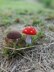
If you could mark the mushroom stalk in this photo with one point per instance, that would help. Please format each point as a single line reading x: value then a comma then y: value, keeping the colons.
x: 28, y: 39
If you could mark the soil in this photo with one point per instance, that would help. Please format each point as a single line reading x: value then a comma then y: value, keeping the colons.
x: 38, y: 59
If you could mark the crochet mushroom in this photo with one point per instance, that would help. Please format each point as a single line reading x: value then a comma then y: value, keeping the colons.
x: 29, y: 31
x: 12, y: 36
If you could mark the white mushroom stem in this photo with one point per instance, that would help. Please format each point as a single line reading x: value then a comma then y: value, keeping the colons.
x: 28, y: 39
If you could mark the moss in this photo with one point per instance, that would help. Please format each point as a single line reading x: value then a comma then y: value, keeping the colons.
x: 10, y: 53
x: 50, y: 17
x: 36, y: 22
x: 51, y: 28
x: 21, y: 43
x: 37, y: 37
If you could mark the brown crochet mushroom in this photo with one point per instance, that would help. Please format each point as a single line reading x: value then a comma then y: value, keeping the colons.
x: 12, y: 36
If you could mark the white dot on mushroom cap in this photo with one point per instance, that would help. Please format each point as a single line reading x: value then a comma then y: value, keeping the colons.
x: 25, y: 30
x: 29, y: 27
x: 31, y: 31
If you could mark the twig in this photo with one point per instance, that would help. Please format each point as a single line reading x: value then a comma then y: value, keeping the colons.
x: 3, y: 69
x: 13, y: 68
x: 19, y: 48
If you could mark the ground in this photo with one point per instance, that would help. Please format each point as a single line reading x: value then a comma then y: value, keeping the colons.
x: 38, y: 59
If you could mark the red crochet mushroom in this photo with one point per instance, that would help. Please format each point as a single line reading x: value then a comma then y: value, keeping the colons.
x: 29, y: 31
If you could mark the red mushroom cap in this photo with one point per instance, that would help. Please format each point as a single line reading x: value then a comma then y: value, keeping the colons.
x: 29, y: 30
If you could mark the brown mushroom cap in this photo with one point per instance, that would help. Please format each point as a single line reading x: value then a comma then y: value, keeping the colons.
x: 13, y: 35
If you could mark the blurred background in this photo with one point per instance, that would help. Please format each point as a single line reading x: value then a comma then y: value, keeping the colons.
x: 10, y: 9
x: 17, y: 14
